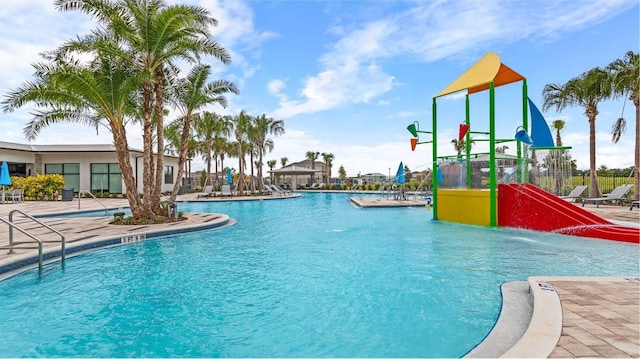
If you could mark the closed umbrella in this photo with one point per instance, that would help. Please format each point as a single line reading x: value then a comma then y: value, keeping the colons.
x: 229, y: 177
x: 400, y: 174
x: 5, y: 179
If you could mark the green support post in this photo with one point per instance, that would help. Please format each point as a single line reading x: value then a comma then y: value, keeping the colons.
x: 434, y: 173
x: 467, y: 139
x: 492, y: 156
x: 525, y: 125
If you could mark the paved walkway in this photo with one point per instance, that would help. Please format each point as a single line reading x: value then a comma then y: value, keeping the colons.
x: 600, y: 318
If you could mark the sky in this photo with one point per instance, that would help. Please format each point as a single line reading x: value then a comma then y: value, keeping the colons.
x: 347, y: 77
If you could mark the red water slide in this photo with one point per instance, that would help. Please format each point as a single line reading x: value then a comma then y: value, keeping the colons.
x: 530, y: 207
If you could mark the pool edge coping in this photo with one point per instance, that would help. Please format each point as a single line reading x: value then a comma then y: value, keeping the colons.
x: 10, y: 267
x: 545, y: 328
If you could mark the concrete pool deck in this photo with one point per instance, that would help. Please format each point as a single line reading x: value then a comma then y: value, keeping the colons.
x: 590, y: 316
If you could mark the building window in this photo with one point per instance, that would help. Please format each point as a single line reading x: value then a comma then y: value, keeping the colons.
x: 106, y: 177
x: 70, y: 172
x: 168, y: 174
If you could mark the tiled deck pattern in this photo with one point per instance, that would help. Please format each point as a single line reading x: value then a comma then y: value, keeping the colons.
x: 599, y: 319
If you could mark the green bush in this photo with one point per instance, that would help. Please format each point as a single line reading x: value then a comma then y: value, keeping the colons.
x: 40, y: 187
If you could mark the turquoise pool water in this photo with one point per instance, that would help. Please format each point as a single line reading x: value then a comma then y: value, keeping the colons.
x: 307, y: 277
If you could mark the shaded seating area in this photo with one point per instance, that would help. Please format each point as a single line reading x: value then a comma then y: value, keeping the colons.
x: 576, y: 193
x: 617, y: 195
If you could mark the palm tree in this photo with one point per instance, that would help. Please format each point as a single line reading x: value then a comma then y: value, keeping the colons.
x: 264, y: 126
x: 312, y: 156
x: 271, y: 164
x: 460, y: 145
x: 283, y: 162
x: 586, y: 90
x: 328, y: 163
x: 149, y: 36
x: 241, y: 124
x: 559, y: 126
x: 96, y: 94
x: 626, y: 82
x: 189, y: 95
x: 212, y: 131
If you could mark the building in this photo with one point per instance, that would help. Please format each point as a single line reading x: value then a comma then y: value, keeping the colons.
x: 373, y: 178
x: 92, y: 168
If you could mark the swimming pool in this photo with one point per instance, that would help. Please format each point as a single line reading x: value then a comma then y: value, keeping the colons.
x: 306, y: 277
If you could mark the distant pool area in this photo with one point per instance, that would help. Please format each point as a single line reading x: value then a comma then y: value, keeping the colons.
x: 305, y: 277
x: 108, y: 212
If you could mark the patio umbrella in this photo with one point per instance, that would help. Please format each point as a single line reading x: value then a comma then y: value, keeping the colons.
x: 229, y: 177
x: 5, y: 180
x: 400, y: 174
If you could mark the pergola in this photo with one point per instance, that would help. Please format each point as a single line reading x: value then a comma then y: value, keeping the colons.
x: 295, y: 172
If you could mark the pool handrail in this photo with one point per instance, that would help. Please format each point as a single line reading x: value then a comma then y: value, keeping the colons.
x: 62, y: 237
x: 106, y: 210
x: 13, y: 225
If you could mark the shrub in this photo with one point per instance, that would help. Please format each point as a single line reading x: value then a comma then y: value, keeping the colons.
x: 40, y: 187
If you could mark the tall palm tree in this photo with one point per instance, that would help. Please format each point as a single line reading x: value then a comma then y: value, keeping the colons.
x: 586, y: 90
x: 149, y: 36
x: 271, y: 164
x: 96, y: 94
x: 328, y: 163
x: 262, y: 127
x: 241, y: 124
x: 626, y: 82
x: 283, y: 162
x: 189, y: 95
x: 312, y: 156
x: 559, y: 126
x: 212, y: 131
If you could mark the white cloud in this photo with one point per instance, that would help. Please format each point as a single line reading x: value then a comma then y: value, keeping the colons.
x: 353, y: 70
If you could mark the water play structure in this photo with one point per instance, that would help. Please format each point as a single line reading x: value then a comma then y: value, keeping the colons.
x: 495, y: 189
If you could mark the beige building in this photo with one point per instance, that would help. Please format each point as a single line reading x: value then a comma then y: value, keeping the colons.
x: 84, y: 167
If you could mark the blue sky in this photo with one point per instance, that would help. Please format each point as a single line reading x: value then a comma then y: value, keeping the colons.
x: 347, y: 77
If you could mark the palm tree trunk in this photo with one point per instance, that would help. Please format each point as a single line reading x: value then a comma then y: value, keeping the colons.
x: 122, y: 151
x: 594, y: 190
x: 240, y: 169
x: 208, y: 180
x: 636, y: 189
x: 155, y: 200
x: 147, y: 171
x: 184, y: 149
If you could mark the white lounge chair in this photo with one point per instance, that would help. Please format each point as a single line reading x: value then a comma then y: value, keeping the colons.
x: 280, y: 190
x: 225, y: 190
x: 576, y: 193
x: 617, y: 195
x: 207, y: 191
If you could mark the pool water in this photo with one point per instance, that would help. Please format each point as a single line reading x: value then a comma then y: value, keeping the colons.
x: 306, y: 277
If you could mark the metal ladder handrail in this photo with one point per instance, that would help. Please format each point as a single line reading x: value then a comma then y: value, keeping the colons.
x: 106, y: 210
x: 62, y: 237
x: 13, y: 225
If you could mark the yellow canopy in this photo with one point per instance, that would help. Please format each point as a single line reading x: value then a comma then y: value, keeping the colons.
x: 478, y: 77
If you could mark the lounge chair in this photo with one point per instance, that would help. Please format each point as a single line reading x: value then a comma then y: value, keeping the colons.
x: 280, y: 190
x: 634, y: 204
x: 618, y: 194
x: 207, y: 191
x: 226, y: 190
x: 576, y: 193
